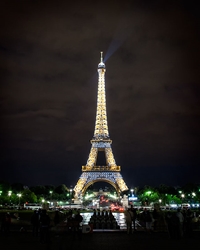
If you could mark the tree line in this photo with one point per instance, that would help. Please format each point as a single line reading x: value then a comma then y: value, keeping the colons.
x: 18, y: 193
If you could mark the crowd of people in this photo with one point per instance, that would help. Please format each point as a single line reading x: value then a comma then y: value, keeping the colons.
x: 40, y: 221
x: 178, y: 223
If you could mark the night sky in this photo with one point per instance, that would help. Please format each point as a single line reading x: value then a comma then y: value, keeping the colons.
x: 49, y: 53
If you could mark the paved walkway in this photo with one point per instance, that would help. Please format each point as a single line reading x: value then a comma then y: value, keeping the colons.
x: 99, y: 241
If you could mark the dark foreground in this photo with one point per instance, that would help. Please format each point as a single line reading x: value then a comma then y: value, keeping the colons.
x: 99, y: 240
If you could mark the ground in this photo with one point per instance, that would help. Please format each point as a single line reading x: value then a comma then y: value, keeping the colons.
x: 99, y: 241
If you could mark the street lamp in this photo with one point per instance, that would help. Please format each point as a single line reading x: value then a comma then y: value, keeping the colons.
x: 0, y: 192
x: 43, y: 200
x: 19, y: 195
x: 132, y: 191
x: 193, y: 196
x: 182, y: 196
x: 51, y: 192
x: 70, y: 196
x: 9, y: 194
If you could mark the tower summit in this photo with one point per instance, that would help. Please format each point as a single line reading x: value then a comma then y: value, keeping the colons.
x: 100, y: 142
x: 101, y: 124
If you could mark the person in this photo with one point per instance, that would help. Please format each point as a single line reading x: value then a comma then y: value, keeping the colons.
x: 35, y: 223
x: 56, y: 218
x: 181, y: 220
x: 161, y: 222
x: 134, y: 211
x: 5, y: 223
x: 189, y: 217
x: 148, y: 220
x: 155, y: 218
x: 70, y: 221
x: 78, y: 224
x: 128, y: 218
x: 174, y: 220
x: 169, y: 224
x: 44, y: 226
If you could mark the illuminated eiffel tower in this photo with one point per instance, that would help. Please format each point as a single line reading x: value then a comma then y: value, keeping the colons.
x: 100, y: 142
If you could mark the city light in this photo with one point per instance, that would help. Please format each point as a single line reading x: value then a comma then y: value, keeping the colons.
x: 148, y: 192
x: 9, y: 194
x: 132, y: 191
x: 113, y: 196
x: 19, y: 195
x: 88, y: 196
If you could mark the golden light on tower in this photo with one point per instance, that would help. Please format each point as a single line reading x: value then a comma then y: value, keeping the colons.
x: 100, y: 142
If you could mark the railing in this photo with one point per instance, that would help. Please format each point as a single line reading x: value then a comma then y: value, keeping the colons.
x: 101, y: 168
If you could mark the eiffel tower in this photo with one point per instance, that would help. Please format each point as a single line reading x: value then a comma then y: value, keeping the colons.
x: 100, y: 142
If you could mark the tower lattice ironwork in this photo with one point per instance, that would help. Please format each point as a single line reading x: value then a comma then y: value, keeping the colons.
x: 100, y: 142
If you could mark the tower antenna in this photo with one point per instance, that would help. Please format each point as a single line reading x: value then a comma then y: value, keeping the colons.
x: 101, y: 57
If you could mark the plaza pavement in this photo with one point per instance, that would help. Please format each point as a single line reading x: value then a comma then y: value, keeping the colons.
x: 98, y: 240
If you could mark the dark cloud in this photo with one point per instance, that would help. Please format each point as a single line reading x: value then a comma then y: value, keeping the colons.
x: 49, y: 55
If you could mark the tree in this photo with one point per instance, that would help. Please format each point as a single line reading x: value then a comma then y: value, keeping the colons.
x: 4, y: 186
x: 63, y: 192
x: 17, y: 187
x: 28, y: 196
x: 147, y: 195
x: 39, y: 190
